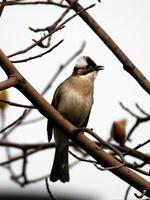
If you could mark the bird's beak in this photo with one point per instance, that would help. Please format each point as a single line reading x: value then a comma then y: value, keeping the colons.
x: 99, y: 67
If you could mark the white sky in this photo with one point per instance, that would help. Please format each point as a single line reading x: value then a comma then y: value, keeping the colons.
x: 127, y: 22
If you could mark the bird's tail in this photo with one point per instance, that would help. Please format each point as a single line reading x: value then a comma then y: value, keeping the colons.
x: 60, y: 168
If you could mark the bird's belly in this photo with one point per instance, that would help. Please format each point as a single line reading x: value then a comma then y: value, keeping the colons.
x: 75, y: 107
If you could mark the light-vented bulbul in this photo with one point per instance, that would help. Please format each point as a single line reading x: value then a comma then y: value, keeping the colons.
x: 73, y: 98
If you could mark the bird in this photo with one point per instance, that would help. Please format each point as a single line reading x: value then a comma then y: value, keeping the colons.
x: 73, y: 98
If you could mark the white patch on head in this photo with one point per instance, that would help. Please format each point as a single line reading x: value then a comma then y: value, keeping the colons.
x: 81, y: 62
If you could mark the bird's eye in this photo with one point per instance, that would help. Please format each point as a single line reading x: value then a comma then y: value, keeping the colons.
x: 87, y: 66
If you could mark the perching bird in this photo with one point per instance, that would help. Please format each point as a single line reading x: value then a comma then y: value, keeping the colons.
x: 73, y: 98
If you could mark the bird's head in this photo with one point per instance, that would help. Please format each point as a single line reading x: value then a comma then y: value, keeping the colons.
x: 85, y: 66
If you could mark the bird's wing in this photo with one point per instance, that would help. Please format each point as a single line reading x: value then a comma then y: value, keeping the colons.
x: 54, y: 103
x: 86, y: 120
x: 49, y: 129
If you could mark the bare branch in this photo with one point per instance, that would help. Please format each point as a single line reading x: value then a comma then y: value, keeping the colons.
x: 128, y: 110
x: 10, y: 82
x: 35, y: 180
x: 38, y: 56
x: 12, y: 3
x: 127, y: 192
x: 17, y: 104
x: 27, y: 146
x: 138, y: 121
x: 16, y: 158
x: 50, y: 29
x: 54, y: 25
x: 81, y: 159
x: 48, y: 189
x: 13, y: 123
x: 142, y: 144
x: 141, y: 195
x: 109, y: 168
x: 24, y: 171
x: 49, y: 34
x: 126, y: 62
x: 124, y: 150
x: 102, y: 157
x: 102, y: 142
x: 2, y: 5
x: 142, y: 111
x: 132, y: 152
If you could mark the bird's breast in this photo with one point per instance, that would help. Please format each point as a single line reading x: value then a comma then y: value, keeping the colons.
x: 76, y: 103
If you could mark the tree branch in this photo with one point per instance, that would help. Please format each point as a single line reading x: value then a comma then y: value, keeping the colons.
x: 2, y: 5
x: 51, y: 32
x: 102, y: 157
x: 127, y: 63
x: 17, y: 104
x: 39, y: 55
x: 138, y: 121
x: 12, y: 3
x: 10, y: 82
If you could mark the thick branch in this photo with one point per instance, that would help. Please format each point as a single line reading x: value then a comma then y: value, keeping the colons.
x: 127, y: 63
x: 89, y: 146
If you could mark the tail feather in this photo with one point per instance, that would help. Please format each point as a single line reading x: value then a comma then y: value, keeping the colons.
x: 60, y: 169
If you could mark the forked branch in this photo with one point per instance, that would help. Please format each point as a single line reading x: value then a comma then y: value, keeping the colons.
x: 102, y: 157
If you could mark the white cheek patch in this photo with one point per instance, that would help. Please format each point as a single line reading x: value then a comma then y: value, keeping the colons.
x: 81, y: 62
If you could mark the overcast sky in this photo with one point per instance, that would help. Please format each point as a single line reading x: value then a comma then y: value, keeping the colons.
x: 127, y: 22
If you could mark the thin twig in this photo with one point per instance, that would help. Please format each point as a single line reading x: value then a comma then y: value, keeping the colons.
x: 38, y: 56
x: 17, y: 104
x: 13, y: 123
x: 138, y: 121
x: 24, y: 167
x: 81, y: 159
x: 54, y: 25
x: 14, y: 177
x: 2, y: 5
x: 141, y: 110
x: 53, y: 31
x: 142, y: 144
x: 12, y: 3
x: 141, y: 195
x: 128, y: 110
x: 48, y: 189
x: 35, y: 180
x: 133, y: 166
x: 107, y: 144
x: 127, y: 192
x: 50, y: 28
x: 109, y: 168
x: 16, y: 158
